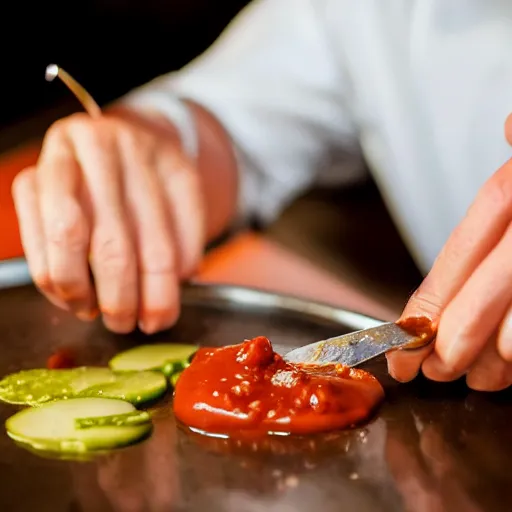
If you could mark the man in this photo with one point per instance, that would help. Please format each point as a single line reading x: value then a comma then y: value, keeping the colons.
x: 294, y: 93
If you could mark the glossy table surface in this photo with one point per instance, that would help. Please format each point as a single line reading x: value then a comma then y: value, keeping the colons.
x: 430, y: 447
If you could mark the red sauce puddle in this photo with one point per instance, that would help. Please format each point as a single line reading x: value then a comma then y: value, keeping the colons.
x: 250, y: 388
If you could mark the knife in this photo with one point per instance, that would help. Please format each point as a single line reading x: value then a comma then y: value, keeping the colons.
x: 358, y: 347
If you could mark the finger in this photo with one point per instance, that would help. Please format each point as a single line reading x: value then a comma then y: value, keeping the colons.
x: 112, y: 252
x: 64, y: 224
x: 158, y: 280
x: 24, y: 190
x: 504, y: 338
x: 434, y: 369
x: 483, y: 226
x: 490, y: 372
x: 508, y: 129
x: 186, y: 208
x: 475, y: 313
x: 404, y: 365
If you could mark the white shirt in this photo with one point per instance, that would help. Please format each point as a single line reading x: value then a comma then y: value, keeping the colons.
x: 308, y: 88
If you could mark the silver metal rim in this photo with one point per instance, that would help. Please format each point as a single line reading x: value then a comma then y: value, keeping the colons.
x: 225, y: 294
x: 15, y: 273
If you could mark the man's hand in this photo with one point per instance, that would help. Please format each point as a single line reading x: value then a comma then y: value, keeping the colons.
x: 468, y: 296
x: 116, y: 196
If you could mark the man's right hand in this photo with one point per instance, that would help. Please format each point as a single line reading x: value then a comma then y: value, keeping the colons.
x: 117, y: 197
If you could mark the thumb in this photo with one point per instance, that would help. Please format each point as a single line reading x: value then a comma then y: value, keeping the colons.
x: 404, y: 365
x: 468, y: 245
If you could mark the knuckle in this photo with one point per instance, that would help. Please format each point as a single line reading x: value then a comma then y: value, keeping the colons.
x: 113, y: 253
x: 159, y: 260
x: 425, y: 301
x: 84, y: 127
x: 75, y: 126
x: 69, y: 230
x: 56, y: 131
x: 79, y: 120
x: 136, y: 140
x: 81, y: 127
x: 62, y: 127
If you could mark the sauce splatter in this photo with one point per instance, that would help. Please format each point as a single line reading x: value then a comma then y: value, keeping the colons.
x: 248, y: 387
x: 61, y: 360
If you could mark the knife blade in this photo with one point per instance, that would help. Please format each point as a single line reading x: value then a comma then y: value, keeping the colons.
x: 358, y: 347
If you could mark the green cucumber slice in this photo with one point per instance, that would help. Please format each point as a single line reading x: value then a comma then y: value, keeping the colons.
x: 87, y: 376
x: 38, y: 386
x: 136, y: 388
x: 52, y: 427
x: 117, y: 420
x: 170, y: 368
x: 151, y: 357
x: 174, y: 378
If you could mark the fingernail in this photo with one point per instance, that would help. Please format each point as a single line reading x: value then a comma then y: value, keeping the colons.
x: 151, y: 322
x: 436, y: 369
x: 402, y: 367
x: 87, y: 315
x: 57, y: 302
x: 148, y: 327
x: 118, y: 325
x: 402, y: 377
x: 453, y: 361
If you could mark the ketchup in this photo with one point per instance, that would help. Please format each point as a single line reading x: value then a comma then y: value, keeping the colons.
x: 419, y: 326
x: 248, y: 387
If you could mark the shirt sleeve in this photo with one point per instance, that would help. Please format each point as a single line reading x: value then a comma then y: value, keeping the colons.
x: 275, y: 85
